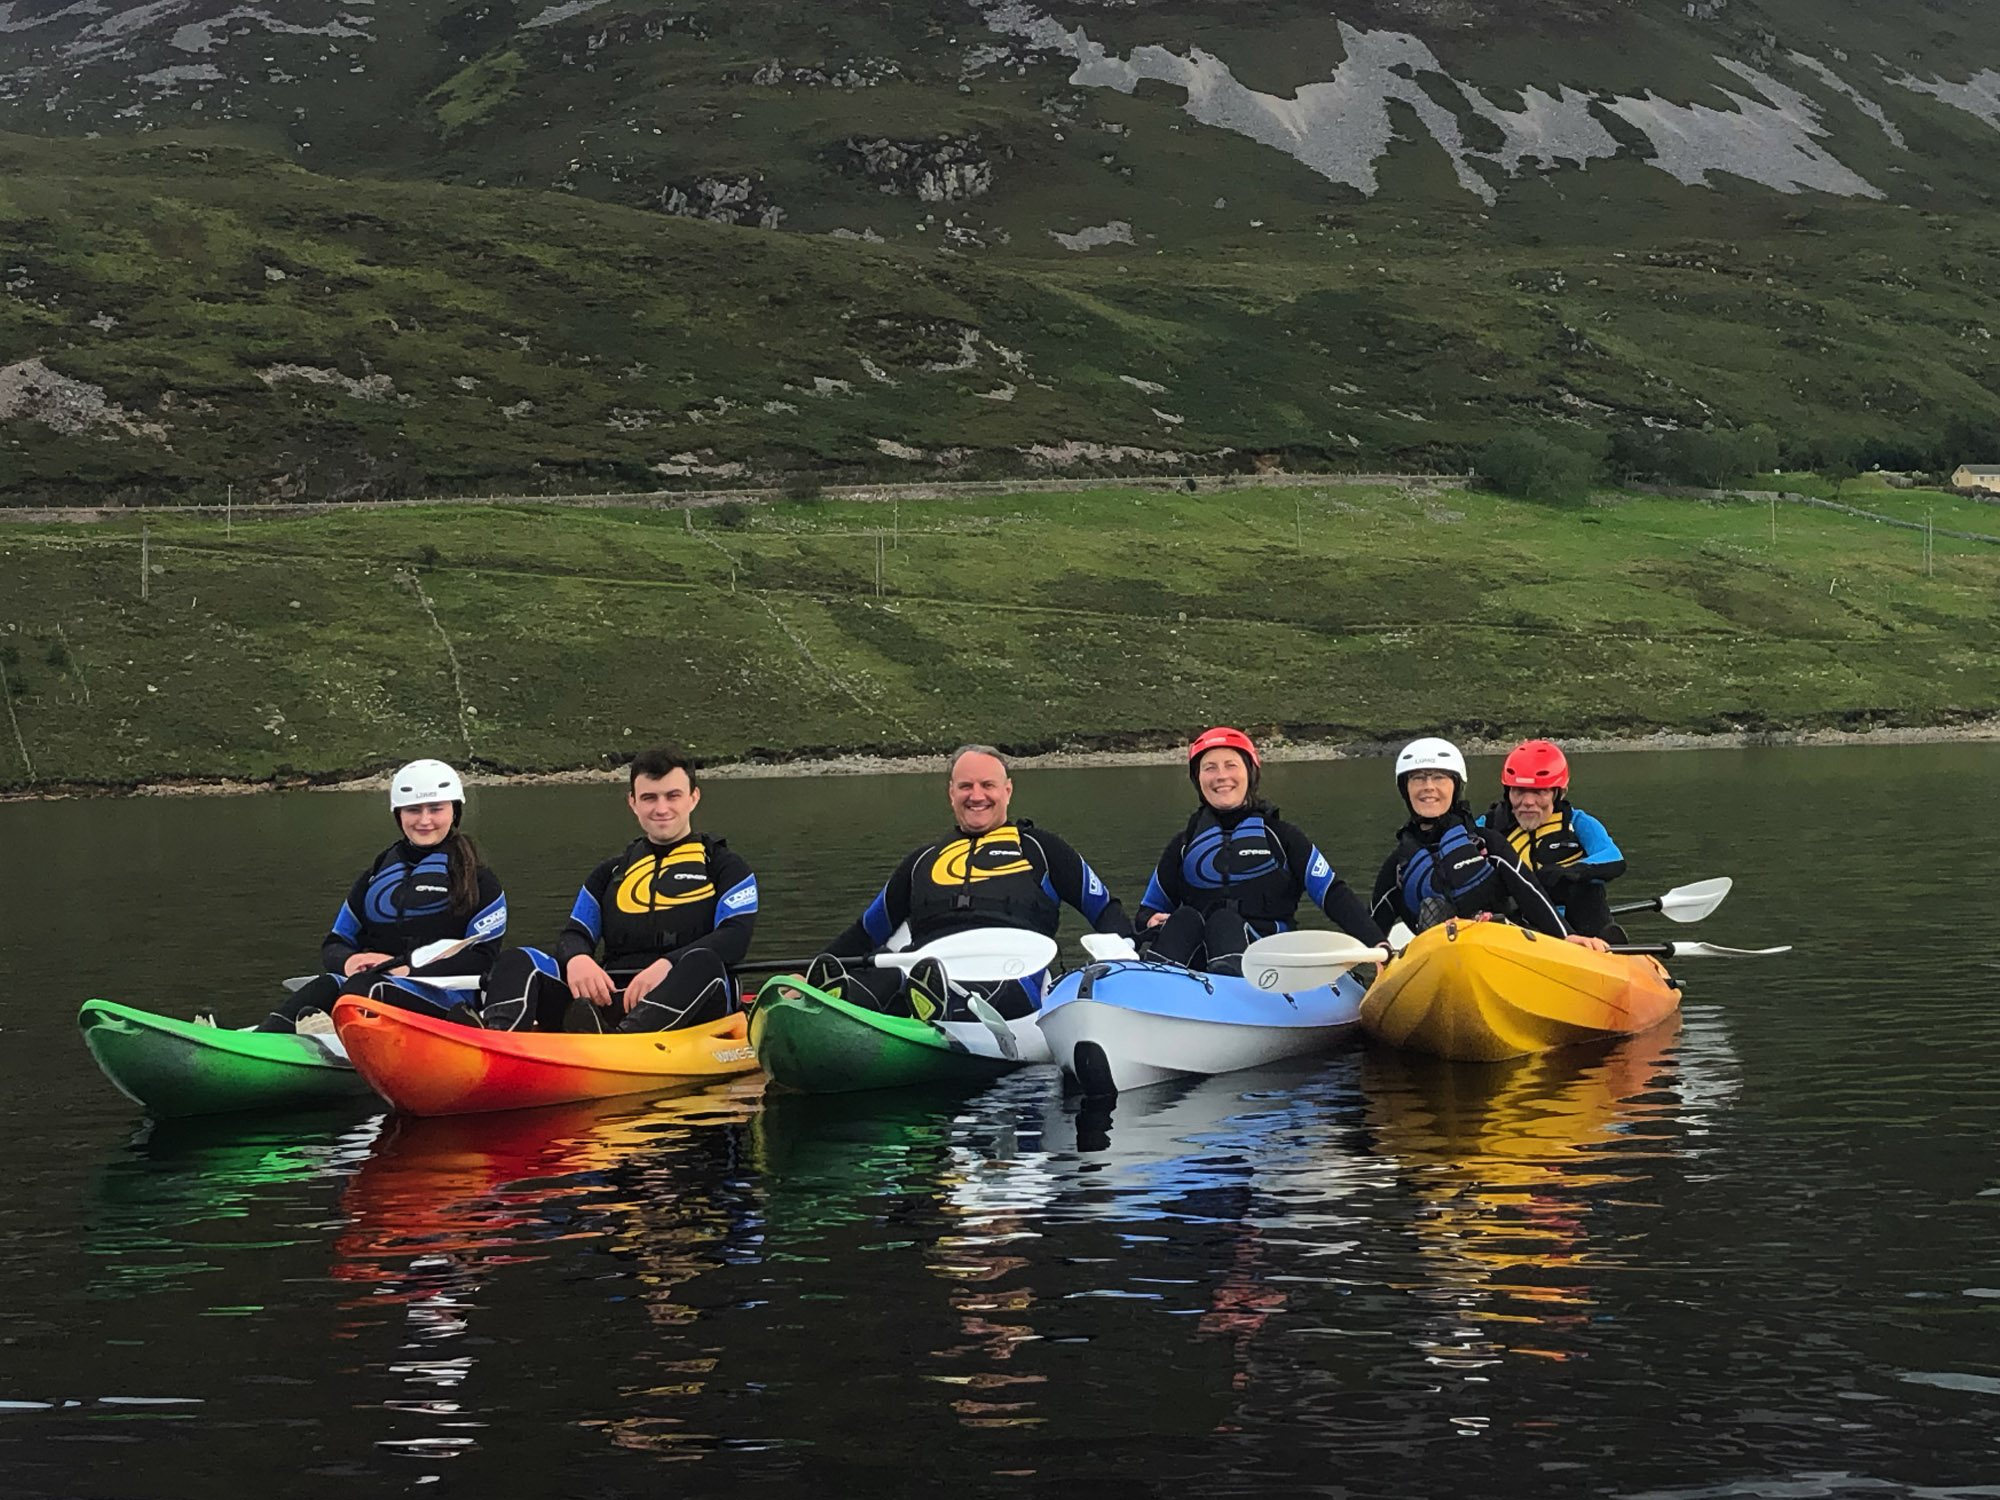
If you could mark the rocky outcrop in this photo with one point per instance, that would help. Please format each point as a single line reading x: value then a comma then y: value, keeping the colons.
x: 946, y: 170
x: 31, y: 392
x: 722, y: 200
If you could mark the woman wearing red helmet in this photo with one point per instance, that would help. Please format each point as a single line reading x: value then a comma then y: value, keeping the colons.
x: 1570, y: 853
x: 1237, y: 870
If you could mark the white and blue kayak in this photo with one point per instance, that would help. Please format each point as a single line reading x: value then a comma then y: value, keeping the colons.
x: 1126, y: 1024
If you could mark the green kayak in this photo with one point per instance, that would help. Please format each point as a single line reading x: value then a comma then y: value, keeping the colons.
x: 177, y: 1068
x: 810, y: 1041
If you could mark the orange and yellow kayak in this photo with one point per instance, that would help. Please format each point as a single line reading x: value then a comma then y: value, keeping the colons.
x: 425, y: 1066
x: 1486, y: 991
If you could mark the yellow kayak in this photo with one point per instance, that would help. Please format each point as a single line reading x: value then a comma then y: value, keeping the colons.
x: 1486, y: 991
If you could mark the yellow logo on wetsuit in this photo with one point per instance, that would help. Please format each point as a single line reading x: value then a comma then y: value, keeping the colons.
x: 658, y: 881
x: 987, y: 857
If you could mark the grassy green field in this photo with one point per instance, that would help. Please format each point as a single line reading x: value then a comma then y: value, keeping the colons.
x: 531, y: 637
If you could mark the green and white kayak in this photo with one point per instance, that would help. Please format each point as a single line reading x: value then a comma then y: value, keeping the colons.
x: 818, y: 1044
x: 177, y: 1068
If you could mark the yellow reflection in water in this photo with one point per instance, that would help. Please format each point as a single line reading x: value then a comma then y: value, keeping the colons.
x: 1506, y: 1161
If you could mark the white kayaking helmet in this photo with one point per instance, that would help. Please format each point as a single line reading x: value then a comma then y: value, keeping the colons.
x: 424, y: 781
x: 1431, y: 754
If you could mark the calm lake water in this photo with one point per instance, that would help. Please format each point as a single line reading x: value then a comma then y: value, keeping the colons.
x: 1751, y: 1254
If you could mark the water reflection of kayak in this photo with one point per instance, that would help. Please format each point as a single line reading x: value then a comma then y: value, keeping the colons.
x: 1487, y: 991
x: 1508, y: 1161
x: 1123, y: 1025
x: 462, y: 1186
x: 425, y: 1066
x: 176, y: 1068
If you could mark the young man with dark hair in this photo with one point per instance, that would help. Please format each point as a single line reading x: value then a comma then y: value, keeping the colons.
x: 672, y: 914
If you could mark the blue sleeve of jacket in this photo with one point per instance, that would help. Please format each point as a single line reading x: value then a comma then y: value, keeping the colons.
x: 1602, y: 858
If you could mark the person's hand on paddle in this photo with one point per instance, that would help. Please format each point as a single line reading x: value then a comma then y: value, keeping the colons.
x: 1155, y: 920
x: 646, y: 981
x: 359, y: 961
x: 1595, y: 945
x: 586, y: 979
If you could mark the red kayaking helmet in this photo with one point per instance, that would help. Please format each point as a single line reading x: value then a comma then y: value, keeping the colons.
x: 1222, y: 738
x: 1535, y: 763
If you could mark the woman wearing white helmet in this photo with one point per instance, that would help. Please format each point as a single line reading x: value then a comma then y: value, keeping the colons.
x: 1443, y: 865
x: 428, y: 885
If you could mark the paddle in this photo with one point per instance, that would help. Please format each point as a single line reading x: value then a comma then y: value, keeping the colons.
x: 983, y: 955
x: 1693, y: 950
x: 1108, y: 947
x: 416, y: 958
x: 983, y: 1010
x: 1684, y: 903
x: 1290, y: 961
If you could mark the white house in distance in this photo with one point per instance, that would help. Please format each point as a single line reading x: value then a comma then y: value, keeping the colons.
x: 1976, y: 477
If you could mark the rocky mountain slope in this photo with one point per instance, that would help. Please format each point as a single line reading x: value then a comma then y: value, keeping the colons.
x: 362, y: 248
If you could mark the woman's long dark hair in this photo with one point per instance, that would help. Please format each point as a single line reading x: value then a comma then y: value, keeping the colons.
x: 461, y: 863
x: 461, y: 858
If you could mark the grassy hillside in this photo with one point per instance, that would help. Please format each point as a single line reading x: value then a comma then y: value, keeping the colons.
x: 247, y: 322
x: 530, y: 637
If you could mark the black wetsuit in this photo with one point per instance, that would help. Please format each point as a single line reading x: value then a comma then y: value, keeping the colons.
x: 400, y: 903
x: 1016, y: 875
x: 693, y: 903
x: 1448, y: 867
x: 1232, y: 876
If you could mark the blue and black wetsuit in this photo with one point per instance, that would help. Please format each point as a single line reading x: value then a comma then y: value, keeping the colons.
x: 1016, y: 875
x: 1572, y: 856
x: 1451, y: 867
x: 1232, y: 876
x: 693, y: 903
x: 400, y: 903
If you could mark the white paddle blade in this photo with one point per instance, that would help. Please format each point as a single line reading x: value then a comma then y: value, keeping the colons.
x: 1108, y: 946
x: 1305, y: 960
x: 1400, y: 937
x: 1711, y: 950
x: 1690, y: 903
x: 1003, y: 1034
x: 985, y: 955
x: 443, y: 948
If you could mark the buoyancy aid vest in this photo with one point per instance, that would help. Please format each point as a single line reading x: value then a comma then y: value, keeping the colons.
x: 658, y: 898
x: 1445, y: 873
x: 1553, y: 843
x: 1240, y: 864
x: 990, y: 879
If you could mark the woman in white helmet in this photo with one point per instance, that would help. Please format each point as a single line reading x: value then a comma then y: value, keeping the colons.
x: 1443, y: 865
x: 427, y: 886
